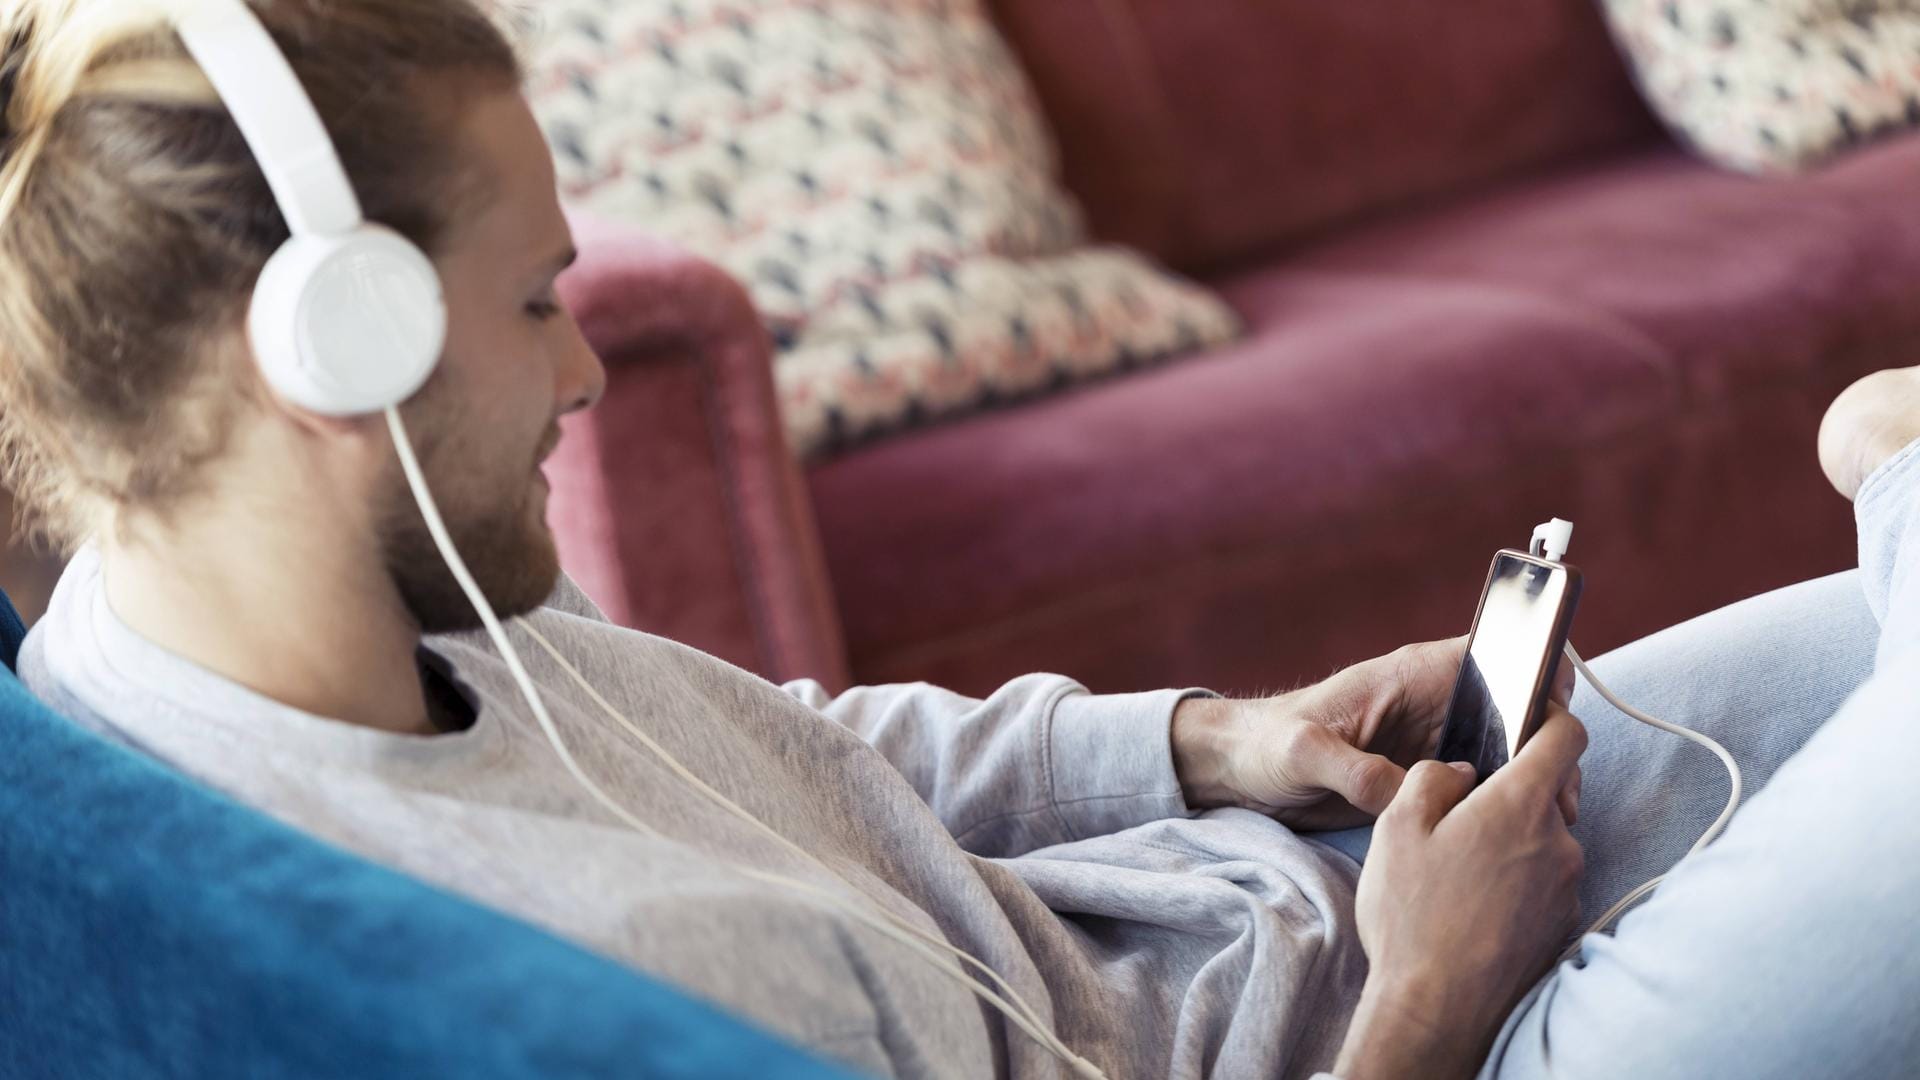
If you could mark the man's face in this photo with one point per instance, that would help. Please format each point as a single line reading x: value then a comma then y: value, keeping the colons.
x: 514, y: 363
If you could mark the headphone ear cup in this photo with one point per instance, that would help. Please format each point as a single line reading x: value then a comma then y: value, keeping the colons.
x: 347, y: 325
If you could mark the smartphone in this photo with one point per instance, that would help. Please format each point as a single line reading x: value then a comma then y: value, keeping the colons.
x: 1519, y: 632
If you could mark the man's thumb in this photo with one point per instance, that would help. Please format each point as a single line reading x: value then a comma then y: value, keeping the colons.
x: 1368, y: 781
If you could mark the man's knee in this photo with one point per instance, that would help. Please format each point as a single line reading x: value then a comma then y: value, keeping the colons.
x: 1761, y: 675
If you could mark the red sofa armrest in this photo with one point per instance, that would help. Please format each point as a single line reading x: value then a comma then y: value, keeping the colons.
x: 676, y: 504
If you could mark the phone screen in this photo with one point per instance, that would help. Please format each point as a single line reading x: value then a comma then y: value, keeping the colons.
x: 1517, y: 637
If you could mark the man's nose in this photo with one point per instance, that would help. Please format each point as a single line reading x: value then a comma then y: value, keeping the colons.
x: 583, y: 379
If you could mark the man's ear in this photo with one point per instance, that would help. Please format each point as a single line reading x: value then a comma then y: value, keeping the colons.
x: 246, y: 369
x: 318, y: 425
x: 227, y: 342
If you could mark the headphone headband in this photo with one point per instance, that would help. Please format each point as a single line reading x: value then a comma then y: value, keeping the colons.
x: 347, y: 317
x: 275, y: 115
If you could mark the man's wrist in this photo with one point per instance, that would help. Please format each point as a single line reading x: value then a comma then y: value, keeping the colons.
x: 1400, y: 1029
x: 1203, y: 738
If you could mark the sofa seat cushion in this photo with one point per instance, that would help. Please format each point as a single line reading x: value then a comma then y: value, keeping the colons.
x: 1645, y: 347
x: 1737, y: 279
x: 1352, y: 393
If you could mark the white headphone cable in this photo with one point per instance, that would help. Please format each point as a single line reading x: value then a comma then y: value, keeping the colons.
x: 889, y: 925
x: 1707, y: 837
x: 747, y: 816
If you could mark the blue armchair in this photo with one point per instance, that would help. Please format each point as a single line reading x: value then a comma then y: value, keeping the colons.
x: 152, y: 928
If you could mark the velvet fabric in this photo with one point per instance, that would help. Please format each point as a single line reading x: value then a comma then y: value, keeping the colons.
x: 1630, y: 339
x: 675, y: 502
x: 1209, y: 132
x: 152, y: 928
x: 1645, y: 348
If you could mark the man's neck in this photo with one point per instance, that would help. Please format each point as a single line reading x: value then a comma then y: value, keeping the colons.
x: 300, y: 618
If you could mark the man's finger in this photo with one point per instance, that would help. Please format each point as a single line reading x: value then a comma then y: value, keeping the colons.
x: 1430, y: 790
x: 1548, y: 760
x: 1562, y: 680
x: 1570, y: 799
x: 1368, y: 781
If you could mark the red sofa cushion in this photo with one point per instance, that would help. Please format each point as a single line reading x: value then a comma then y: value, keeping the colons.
x: 1741, y: 280
x: 1644, y: 347
x: 1354, y: 396
x: 1208, y: 132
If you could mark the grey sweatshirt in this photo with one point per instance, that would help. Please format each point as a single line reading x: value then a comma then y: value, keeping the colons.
x: 1041, y: 829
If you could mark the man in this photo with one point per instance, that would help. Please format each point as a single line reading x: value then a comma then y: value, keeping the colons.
x: 258, y: 604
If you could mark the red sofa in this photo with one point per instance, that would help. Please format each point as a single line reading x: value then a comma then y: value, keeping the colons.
x: 1481, y: 287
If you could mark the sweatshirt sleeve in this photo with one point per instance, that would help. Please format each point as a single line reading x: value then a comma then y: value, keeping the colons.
x: 1886, y: 510
x: 1040, y: 761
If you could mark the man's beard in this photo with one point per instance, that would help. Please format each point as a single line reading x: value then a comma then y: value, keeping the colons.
x: 506, y: 547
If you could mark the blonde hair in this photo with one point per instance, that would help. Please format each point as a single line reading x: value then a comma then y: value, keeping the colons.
x: 134, y: 221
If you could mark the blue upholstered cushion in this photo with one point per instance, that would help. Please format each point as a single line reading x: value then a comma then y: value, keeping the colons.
x: 149, y: 927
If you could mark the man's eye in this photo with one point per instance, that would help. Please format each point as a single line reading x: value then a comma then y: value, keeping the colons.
x: 543, y: 309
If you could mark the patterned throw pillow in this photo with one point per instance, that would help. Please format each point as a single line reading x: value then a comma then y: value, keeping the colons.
x: 1767, y: 85
x: 878, y: 175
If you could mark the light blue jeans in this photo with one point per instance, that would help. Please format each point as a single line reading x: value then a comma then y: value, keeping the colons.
x: 1790, y: 947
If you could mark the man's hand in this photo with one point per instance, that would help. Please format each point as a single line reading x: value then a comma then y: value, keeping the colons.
x: 1466, y: 894
x: 1331, y: 755
x: 1871, y: 421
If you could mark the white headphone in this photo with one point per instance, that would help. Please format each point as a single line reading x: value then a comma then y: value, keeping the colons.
x: 347, y: 317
